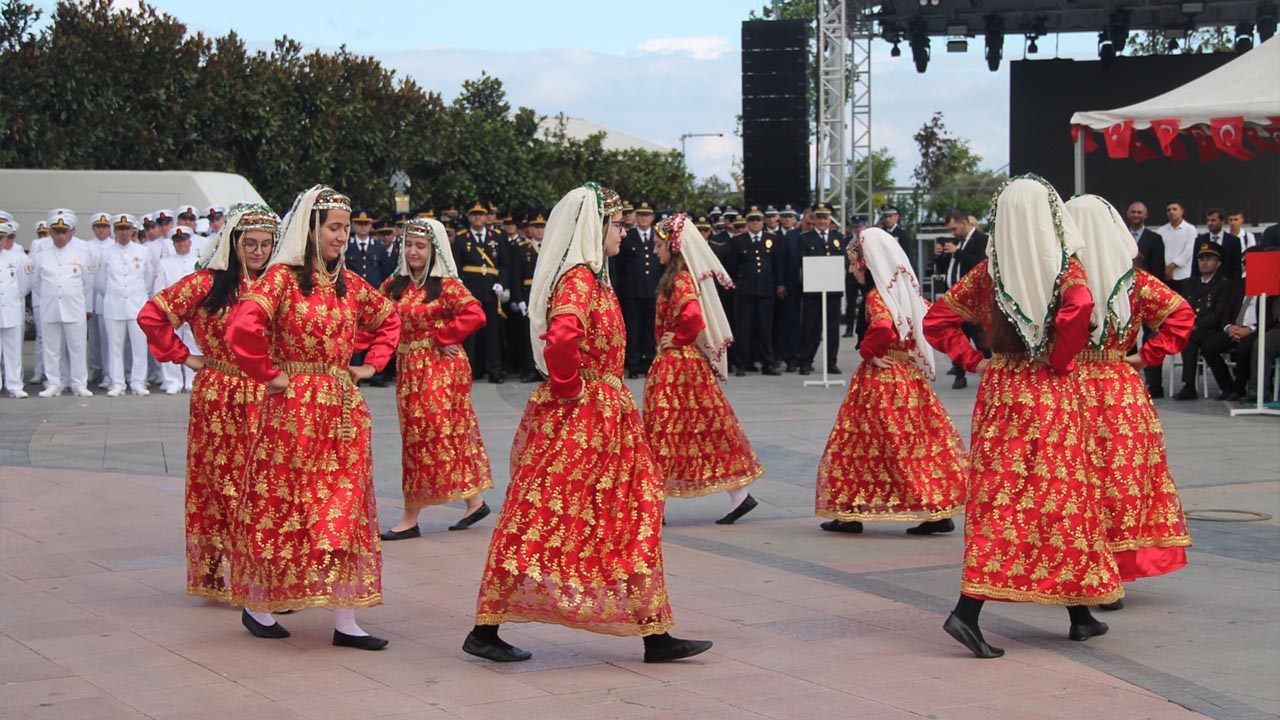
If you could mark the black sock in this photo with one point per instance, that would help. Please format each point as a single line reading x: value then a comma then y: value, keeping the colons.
x: 652, y: 642
x: 1080, y: 615
x: 486, y: 633
x: 967, y: 609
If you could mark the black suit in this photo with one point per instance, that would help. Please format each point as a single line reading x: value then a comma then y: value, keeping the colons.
x: 1246, y: 351
x: 969, y: 252
x: 1270, y: 238
x: 524, y: 257
x: 905, y: 241
x: 1151, y: 259
x: 812, y: 244
x: 371, y: 263
x: 483, y: 261
x: 1232, y: 255
x: 637, y: 287
x: 1215, y: 303
x: 719, y: 243
x: 753, y: 266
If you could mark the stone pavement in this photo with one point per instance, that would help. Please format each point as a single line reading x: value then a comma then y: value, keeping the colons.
x: 94, y: 622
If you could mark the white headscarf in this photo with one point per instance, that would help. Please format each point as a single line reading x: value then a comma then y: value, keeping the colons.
x: 705, y: 267
x: 442, y: 264
x: 1107, y: 257
x: 574, y: 236
x: 253, y: 216
x: 291, y: 245
x: 898, y: 287
x: 1032, y: 238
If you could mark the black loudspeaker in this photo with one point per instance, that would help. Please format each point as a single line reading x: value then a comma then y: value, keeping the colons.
x: 775, y: 112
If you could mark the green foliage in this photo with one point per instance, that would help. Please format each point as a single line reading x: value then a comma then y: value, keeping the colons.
x: 950, y: 173
x: 133, y: 90
x: 1203, y: 40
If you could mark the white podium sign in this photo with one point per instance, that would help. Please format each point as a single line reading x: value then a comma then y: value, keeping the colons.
x: 824, y: 274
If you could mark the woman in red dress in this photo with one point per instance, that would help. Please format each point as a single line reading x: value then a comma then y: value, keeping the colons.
x: 696, y: 439
x: 442, y: 454
x: 307, y: 523
x: 894, y: 453
x: 579, y: 538
x: 224, y: 400
x: 1034, y: 523
x: 1146, y: 529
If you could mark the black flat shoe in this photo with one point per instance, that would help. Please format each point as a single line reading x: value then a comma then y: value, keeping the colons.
x: 359, y: 642
x: 960, y: 383
x: 844, y: 526
x: 970, y: 637
x: 933, y: 527
x: 497, y: 652
x: 743, y: 508
x: 1081, y: 633
x: 676, y: 650
x: 257, y: 629
x: 480, y: 513
x: 393, y: 535
x: 1117, y: 605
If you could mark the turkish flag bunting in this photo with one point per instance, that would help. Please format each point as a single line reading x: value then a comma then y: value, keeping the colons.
x: 1089, y: 143
x: 1266, y: 139
x: 1166, y: 131
x: 1228, y: 135
x: 1208, y: 151
x: 1119, y: 139
x: 1140, y: 152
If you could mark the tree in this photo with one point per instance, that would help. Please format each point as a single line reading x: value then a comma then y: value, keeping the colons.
x: 1204, y: 40
x: 950, y: 173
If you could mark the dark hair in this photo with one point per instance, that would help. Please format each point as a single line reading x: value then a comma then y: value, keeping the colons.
x: 312, y: 261
x: 400, y: 284
x: 1003, y: 337
x: 225, y: 291
x: 667, y: 283
x: 1175, y: 201
x: 1236, y: 211
x: 1215, y: 211
x: 958, y: 215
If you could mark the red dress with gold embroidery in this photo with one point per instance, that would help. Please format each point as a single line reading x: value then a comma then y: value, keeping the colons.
x: 1034, y: 525
x: 223, y: 412
x: 579, y: 539
x: 894, y: 453
x: 442, y: 454
x: 307, y: 523
x: 1145, y: 526
x: 695, y: 437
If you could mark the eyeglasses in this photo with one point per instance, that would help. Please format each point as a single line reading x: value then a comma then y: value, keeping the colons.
x: 620, y: 226
x: 253, y: 247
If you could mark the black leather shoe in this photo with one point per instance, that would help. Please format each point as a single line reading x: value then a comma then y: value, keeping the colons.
x: 834, y: 370
x: 1081, y: 633
x: 257, y: 629
x: 805, y: 369
x: 769, y: 370
x: 743, y: 508
x: 954, y: 370
x: 847, y: 334
x: 676, y: 650
x: 376, y: 381
x: 1229, y: 396
x: 1117, y: 605
x: 480, y: 513
x: 971, y: 637
x: 530, y: 377
x: 960, y: 383
x: 1156, y: 392
x: 740, y: 373
x: 791, y: 367
x: 497, y: 652
x: 933, y: 527
x: 844, y: 526
x: 359, y: 642
x: 632, y: 374
x: 393, y: 535
x: 1186, y: 393
x: 497, y: 378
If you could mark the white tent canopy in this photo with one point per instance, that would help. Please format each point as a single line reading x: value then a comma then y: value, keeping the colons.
x: 1247, y: 87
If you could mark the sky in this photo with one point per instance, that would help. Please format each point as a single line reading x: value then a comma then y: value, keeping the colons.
x: 655, y: 70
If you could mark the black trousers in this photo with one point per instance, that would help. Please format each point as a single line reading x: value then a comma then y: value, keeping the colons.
x: 638, y: 316
x: 519, y: 348
x: 484, y: 347
x: 1154, y: 374
x: 973, y: 331
x: 755, y: 329
x: 1246, y: 356
x: 1210, y: 344
x: 811, y: 327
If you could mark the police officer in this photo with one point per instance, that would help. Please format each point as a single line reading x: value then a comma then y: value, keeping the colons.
x: 484, y: 263
x: 854, y: 293
x: 752, y: 262
x: 524, y: 261
x: 787, y: 315
x: 823, y: 241
x: 719, y: 242
x: 62, y: 298
x: 638, y: 274
x: 889, y: 217
x: 365, y: 256
x: 1215, y: 297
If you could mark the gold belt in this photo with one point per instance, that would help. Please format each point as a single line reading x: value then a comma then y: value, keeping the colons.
x: 612, y: 381
x: 529, y: 282
x: 1091, y: 355
x: 350, y: 396
x: 422, y: 344
x: 224, y: 367
x: 482, y: 269
x: 902, y: 355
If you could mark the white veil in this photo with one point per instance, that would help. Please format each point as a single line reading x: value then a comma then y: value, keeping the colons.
x: 1107, y: 257
x: 706, y: 269
x: 898, y: 287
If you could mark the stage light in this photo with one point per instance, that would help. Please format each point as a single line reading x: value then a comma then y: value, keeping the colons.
x: 959, y: 29
x: 1032, y: 48
x: 1266, y: 21
x: 1118, y: 29
x: 920, y: 44
x: 957, y: 45
x: 994, y: 41
x: 1244, y: 38
x: 1171, y: 45
x: 1106, y: 51
x: 896, y: 51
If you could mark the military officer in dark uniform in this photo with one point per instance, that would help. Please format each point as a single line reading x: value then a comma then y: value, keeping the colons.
x: 524, y: 259
x: 786, y: 312
x: 484, y: 265
x: 1214, y: 298
x: 384, y: 231
x: 855, y: 293
x: 704, y: 226
x: 889, y: 221
x: 628, y: 214
x: 637, y: 286
x: 823, y: 241
x: 752, y: 261
x: 365, y: 255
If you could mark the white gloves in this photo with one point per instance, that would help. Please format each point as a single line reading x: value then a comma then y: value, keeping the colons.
x: 524, y: 308
x: 501, y: 292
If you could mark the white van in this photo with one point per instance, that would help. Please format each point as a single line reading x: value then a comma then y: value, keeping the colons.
x: 30, y: 194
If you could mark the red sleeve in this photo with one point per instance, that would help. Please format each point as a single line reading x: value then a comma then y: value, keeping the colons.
x: 162, y: 339
x: 1172, y: 336
x: 248, y: 323
x: 377, y: 314
x: 880, y: 332
x: 1072, y: 320
x: 563, y: 356
x: 942, y: 330
x: 688, y: 323
x: 468, y: 313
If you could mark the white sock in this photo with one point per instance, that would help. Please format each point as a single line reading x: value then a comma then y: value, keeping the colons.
x: 262, y: 618
x: 736, y: 497
x: 344, y: 621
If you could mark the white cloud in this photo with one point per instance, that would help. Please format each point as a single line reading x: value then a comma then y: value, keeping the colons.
x: 707, y: 47
x: 120, y: 5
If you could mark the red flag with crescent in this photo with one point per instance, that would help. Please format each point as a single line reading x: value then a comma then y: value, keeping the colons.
x: 1166, y: 131
x: 1139, y: 151
x: 1266, y: 139
x: 1089, y: 143
x: 1228, y: 135
x: 1208, y: 151
x: 1119, y: 139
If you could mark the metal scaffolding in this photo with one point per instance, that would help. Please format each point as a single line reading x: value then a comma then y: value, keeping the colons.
x: 860, y: 184
x: 832, y: 105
